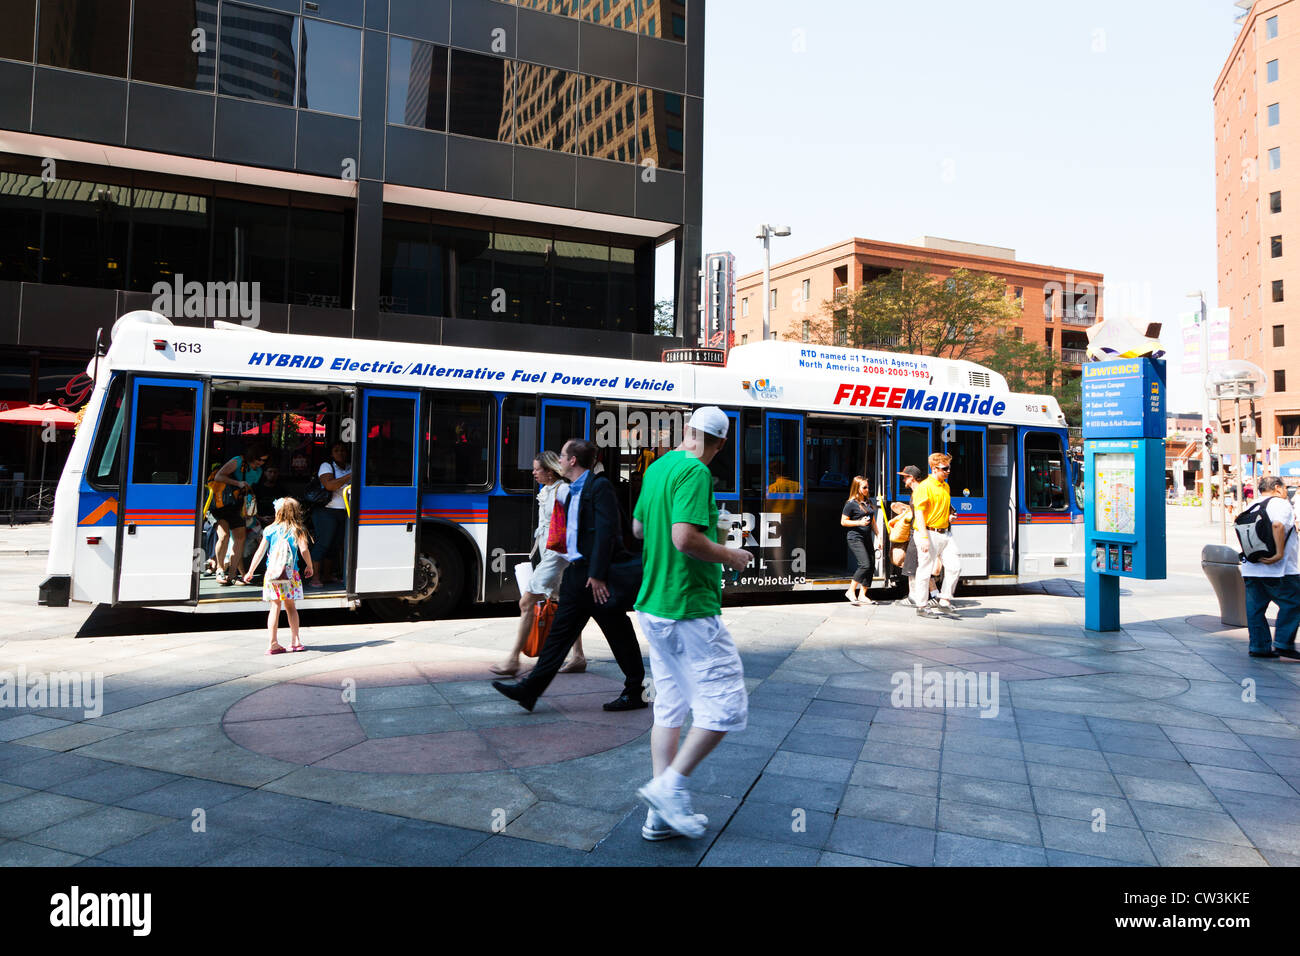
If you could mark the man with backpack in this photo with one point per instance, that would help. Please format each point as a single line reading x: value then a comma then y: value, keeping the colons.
x: 1270, y: 569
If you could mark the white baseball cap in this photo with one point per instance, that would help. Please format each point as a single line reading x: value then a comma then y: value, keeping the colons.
x: 711, y: 420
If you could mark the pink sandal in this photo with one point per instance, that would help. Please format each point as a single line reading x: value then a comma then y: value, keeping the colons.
x: 277, y: 650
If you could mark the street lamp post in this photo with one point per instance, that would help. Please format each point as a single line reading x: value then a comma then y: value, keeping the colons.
x: 766, y: 232
x: 1207, y: 505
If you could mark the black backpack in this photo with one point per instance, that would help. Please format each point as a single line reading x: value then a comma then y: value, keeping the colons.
x: 1255, y: 532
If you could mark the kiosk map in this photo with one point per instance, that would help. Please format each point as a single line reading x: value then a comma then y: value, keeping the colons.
x: 1116, y: 494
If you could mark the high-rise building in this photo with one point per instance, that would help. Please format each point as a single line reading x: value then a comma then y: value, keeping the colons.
x: 1257, y: 187
x: 718, y: 300
x: 467, y: 172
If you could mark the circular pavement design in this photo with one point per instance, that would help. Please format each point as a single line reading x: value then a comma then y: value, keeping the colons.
x: 428, y: 717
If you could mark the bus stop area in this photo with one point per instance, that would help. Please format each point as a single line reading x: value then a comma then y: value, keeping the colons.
x: 1160, y: 744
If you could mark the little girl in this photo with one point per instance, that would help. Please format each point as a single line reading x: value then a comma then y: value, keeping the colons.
x: 288, y: 542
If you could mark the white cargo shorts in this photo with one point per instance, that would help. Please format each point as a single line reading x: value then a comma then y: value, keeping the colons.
x: 696, y: 668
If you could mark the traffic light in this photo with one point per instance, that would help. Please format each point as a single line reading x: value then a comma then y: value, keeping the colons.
x: 1209, y: 437
x: 1214, y: 464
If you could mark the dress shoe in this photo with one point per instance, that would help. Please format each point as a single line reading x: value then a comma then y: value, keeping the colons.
x: 517, y: 693
x: 1265, y: 654
x: 625, y: 701
x: 1290, y: 653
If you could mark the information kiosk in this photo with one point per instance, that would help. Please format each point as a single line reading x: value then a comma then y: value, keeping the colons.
x: 1124, y: 473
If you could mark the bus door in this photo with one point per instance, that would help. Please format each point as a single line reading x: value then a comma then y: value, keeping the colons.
x: 158, y: 553
x: 782, y: 556
x: 1002, y: 473
x: 968, y: 485
x: 386, y: 506
x: 836, y: 451
x: 1047, y: 534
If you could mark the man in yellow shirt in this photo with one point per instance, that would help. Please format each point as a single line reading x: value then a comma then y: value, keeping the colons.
x: 932, y: 507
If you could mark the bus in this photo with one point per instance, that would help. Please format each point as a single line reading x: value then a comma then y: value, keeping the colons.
x: 441, y: 504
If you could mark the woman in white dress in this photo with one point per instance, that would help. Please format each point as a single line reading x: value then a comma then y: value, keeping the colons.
x: 545, y: 580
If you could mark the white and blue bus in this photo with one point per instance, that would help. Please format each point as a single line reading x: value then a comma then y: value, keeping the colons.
x: 442, y: 440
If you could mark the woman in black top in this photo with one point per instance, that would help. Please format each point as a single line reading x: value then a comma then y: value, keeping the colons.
x: 857, y: 518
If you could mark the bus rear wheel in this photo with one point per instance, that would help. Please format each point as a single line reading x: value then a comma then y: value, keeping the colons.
x: 439, y: 583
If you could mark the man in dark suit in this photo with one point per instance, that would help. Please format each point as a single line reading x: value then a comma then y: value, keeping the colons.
x: 594, y: 540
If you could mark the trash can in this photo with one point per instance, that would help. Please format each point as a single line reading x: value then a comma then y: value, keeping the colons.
x: 1222, y: 565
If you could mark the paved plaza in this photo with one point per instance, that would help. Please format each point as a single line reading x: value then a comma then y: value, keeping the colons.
x: 1162, y: 744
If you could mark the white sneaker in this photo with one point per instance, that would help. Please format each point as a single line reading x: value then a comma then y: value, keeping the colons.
x: 656, y: 829
x: 674, y: 807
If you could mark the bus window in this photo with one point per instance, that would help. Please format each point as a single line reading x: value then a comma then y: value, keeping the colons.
x: 518, y: 442
x: 966, y: 480
x: 913, y: 449
x: 1046, y: 485
x: 723, y: 465
x: 164, y: 435
x: 390, y: 423
x: 836, y: 453
x: 752, y: 453
x: 103, y: 470
x: 784, y: 456
x: 458, y: 435
x: 562, y: 423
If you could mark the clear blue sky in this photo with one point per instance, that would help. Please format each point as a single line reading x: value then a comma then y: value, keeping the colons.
x: 1078, y: 133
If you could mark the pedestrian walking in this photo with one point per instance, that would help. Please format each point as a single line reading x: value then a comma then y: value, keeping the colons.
x: 287, y: 543
x: 857, y: 516
x: 1272, y: 576
x: 331, y: 522
x: 932, y: 507
x: 593, y: 541
x: 693, y: 658
x: 544, y: 581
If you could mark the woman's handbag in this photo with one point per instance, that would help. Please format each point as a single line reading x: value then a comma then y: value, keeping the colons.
x: 557, y: 535
x: 317, y: 495
x: 543, y: 616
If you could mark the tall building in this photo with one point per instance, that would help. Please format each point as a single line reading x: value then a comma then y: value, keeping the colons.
x: 718, y: 300
x: 1057, y: 305
x: 466, y: 172
x: 1257, y: 189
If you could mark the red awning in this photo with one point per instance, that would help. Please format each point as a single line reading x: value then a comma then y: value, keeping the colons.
x: 39, y: 415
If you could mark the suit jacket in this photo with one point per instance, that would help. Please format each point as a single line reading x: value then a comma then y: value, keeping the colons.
x: 600, y: 526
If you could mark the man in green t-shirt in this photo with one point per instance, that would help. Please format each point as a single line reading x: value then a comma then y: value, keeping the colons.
x: 693, y: 659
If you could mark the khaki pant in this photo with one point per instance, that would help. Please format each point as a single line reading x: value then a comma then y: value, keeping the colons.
x: 942, y: 547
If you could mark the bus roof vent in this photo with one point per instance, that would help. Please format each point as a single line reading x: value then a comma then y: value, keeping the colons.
x: 979, y: 379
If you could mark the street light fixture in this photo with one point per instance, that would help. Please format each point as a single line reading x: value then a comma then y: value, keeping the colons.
x: 1206, y: 507
x: 766, y: 232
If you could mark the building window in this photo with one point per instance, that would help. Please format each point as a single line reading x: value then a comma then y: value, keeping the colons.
x: 1270, y: 28
x: 331, y: 68
x: 162, y: 44
x: 1272, y: 71
x: 773, y: 303
x: 1277, y: 290
x: 1279, y: 336
x: 744, y: 338
x: 1274, y: 114
x: 807, y: 330
x: 1275, y: 158
x: 1049, y: 304
x: 1276, y: 244
x: 259, y: 55
x: 482, y: 96
x: 807, y: 292
x: 417, y: 84
x: 1020, y: 296
x: 744, y: 307
x: 1275, y: 201
x: 87, y: 35
x: 1279, y: 380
